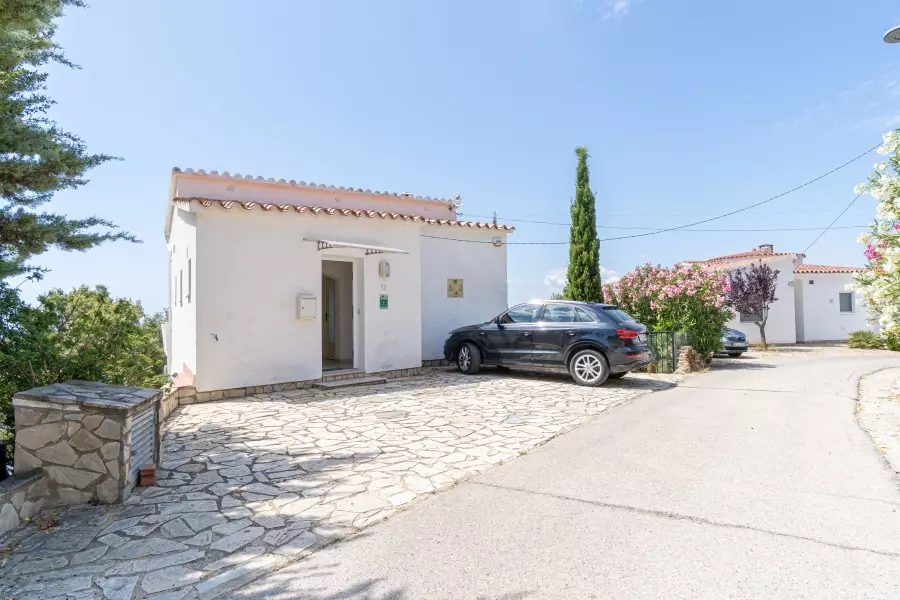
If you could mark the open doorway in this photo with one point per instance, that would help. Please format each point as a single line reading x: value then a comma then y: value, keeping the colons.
x: 337, y: 315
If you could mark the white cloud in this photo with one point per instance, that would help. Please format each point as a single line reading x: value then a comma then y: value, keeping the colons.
x: 617, y: 8
x: 555, y: 279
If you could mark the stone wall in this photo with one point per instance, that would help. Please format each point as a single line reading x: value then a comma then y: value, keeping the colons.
x: 689, y: 361
x: 81, y: 453
x: 22, y: 496
x: 189, y: 395
x: 79, y: 433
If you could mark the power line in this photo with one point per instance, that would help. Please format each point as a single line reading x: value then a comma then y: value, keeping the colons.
x: 680, y: 230
x: 818, y: 237
x: 704, y: 230
x: 567, y: 224
x: 746, y: 208
x: 656, y: 214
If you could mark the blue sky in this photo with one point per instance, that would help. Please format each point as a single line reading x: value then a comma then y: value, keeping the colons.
x: 688, y: 108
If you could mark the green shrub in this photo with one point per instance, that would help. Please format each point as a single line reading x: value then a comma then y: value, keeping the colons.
x: 892, y: 338
x: 865, y: 339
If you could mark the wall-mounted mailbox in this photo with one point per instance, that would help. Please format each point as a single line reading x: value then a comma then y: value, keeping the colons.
x: 384, y: 269
x: 306, y: 306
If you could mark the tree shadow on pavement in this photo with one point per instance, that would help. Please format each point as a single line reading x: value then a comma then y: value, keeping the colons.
x: 317, y: 578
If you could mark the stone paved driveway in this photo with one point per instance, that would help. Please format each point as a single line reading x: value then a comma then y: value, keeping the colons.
x: 249, y: 484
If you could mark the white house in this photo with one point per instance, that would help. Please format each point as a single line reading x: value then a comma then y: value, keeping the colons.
x: 813, y: 303
x: 279, y: 281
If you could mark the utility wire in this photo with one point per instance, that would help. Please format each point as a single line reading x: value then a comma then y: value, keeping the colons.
x: 567, y: 224
x: 716, y: 218
x: 705, y: 230
x: 680, y: 230
x: 746, y: 208
x: 818, y: 237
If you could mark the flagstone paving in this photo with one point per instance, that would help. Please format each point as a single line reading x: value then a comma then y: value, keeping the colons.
x: 248, y: 484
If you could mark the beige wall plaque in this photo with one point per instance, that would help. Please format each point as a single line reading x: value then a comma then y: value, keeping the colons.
x: 454, y: 288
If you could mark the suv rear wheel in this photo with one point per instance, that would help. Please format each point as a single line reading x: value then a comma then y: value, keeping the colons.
x: 589, y: 367
x: 468, y: 359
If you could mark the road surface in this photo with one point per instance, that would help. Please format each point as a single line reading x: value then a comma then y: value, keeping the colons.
x: 753, y: 481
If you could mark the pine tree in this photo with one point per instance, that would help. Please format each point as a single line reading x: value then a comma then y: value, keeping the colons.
x: 494, y: 220
x: 37, y: 158
x: 583, y: 276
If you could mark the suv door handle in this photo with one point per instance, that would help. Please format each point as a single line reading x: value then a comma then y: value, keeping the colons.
x: 571, y: 333
x: 526, y: 333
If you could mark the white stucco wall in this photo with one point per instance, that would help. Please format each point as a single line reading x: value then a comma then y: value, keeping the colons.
x: 183, y: 311
x: 481, y: 266
x: 781, y: 326
x: 823, y: 319
x: 251, y: 265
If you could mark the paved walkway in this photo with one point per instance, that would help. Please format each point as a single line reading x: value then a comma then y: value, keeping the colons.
x: 249, y: 484
x: 879, y: 412
x: 751, y: 482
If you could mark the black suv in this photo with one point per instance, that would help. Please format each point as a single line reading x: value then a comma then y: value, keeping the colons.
x: 592, y: 341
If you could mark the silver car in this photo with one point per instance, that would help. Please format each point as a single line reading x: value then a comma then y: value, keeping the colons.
x: 734, y: 343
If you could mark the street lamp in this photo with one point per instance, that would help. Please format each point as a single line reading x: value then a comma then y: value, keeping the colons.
x: 893, y: 36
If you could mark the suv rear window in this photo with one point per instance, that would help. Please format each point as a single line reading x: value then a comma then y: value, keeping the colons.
x: 619, y: 316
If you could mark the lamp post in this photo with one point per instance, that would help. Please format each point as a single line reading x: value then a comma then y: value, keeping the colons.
x: 893, y: 36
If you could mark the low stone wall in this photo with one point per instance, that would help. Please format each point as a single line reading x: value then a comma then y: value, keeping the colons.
x: 22, y: 496
x: 443, y: 362
x: 79, y: 433
x: 189, y: 395
x: 689, y: 361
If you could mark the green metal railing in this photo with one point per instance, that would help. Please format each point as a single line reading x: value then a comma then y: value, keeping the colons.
x: 664, y: 348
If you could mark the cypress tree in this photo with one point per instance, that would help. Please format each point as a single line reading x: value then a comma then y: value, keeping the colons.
x: 583, y: 275
x: 37, y: 158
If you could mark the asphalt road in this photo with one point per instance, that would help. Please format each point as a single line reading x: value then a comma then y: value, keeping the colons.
x: 749, y: 482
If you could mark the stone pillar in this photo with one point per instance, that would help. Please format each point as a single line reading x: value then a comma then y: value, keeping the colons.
x: 79, y: 434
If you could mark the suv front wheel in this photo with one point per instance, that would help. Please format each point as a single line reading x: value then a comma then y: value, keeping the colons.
x: 468, y: 359
x: 589, y: 367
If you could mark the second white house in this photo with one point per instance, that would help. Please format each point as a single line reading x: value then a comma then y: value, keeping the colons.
x: 814, y: 303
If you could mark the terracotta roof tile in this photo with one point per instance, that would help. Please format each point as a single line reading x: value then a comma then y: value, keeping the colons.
x: 825, y: 269
x: 237, y: 176
x: 347, y: 212
x: 744, y: 255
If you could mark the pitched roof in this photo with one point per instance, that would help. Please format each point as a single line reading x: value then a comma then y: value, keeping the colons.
x: 347, y: 212
x: 825, y: 269
x: 312, y: 185
x: 744, y: 255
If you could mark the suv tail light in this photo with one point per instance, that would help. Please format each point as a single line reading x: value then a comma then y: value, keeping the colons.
x: 626, y: 334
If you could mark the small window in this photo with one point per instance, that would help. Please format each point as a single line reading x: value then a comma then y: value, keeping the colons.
x: 180, y: 287
x: 526, y: 313
x: 190, y: 278
x: 812, y: 281
x: 749, y: 318
x: 846, y: 301
x: 559, y: 313
x: 584, y: 316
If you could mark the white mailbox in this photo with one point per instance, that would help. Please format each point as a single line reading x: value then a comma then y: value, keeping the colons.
x: 306, y: 306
